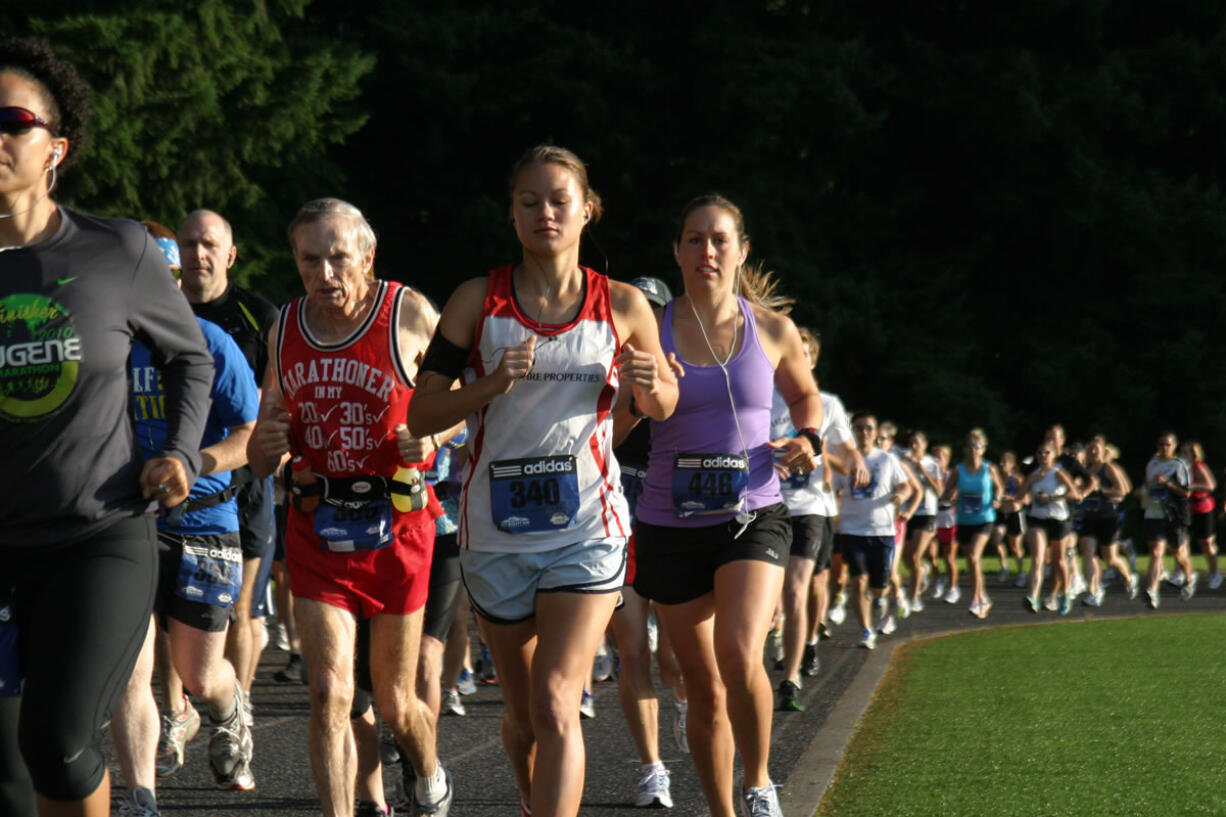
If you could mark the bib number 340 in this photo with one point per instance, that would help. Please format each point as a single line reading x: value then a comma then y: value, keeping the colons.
x: 534, y: 494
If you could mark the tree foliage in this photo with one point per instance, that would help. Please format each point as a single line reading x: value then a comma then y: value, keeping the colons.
x: 997, y: 214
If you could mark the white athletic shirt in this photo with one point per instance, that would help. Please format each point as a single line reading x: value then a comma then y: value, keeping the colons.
x: 1050, y: 484
x: 541, y: 473
x: 1175, y: 470
x: 870, y: 511
x: 805, y: 495
x: 933, y: 469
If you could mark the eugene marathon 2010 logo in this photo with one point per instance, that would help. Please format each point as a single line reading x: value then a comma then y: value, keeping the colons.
x: 40, y: 356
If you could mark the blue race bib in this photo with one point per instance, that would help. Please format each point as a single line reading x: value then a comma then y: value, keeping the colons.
x: 534, y: 494
x: 797, y: 481
x: 209, y: 573
x: 346, y: 527
x: 970, y: 504
x: 10, y: 665
x: 709, y: 483
x: 632, y: 486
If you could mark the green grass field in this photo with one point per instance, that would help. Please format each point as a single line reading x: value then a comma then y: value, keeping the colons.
x: 1078, y: 718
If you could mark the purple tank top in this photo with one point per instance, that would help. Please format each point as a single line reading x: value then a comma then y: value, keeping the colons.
x: 703, y: 425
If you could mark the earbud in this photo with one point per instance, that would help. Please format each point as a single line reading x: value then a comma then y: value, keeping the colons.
x: 56, y: 153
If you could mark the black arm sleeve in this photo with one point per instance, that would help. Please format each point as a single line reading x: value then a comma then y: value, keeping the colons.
x: 162, y: 319
x: 444, y: 357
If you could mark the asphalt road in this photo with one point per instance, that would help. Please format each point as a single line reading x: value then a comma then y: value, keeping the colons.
x: 805, y: 746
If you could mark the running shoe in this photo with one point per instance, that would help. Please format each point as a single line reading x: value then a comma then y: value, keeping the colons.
x: 903, y: 605
x: 230, y: 750
x: 938, y: 590
x: 761, y: 802
x: 823, y: 631
x: 602, y: 666
x: 838, y: 610
x: 789, y: 697
x: 653, y: 633
x: 489, y: 675
x: 371, y: 810
x: 1134, y: 584
x: 679, y: 735
x: 1093, y: 599
x: 587, y: 705
x: 974, y: 608
x: 1066, y: 604
x: 925, y: 577
x: 280, y: 637
x: 1078, y: 584
x: 452, y: 705
x: 1031, y: 603
x: 985, y: 607
x: 888, y: 625
x: 1176, y: 579
x: 953, y: 596
x: 141, y: 804
x: 1153, y: 598
x: 1051, y: 604
x: 1003, y: 575
x: 653, y: 789
x: 810, y: 664
x: 917, y: 605
x: 439, y: 809
x: 774, y: 648
x: 178, y: 730
x: 465, y: 683
x: 1215, y: 580
x: 868, y: 639
x: 1022, y: 580
x: 294, y: 672
x: 1189, y: 588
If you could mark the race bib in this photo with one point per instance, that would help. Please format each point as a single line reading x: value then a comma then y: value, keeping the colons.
x: 10, y: 666
x: 709, y: 483
x: 797, y: 481
x: 346, y: 527
x: 209, y: 573
x: 970, y: 504
x: 632, y: 485
x: 534, y: 494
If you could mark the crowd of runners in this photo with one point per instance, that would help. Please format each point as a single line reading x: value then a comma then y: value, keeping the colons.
x: 592, y: 468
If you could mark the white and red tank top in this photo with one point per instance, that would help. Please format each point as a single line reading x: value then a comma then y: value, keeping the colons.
x: 541, y: 472
x: 345, y: 398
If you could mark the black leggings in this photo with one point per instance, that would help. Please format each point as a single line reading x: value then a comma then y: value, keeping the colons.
x: 82, y: 612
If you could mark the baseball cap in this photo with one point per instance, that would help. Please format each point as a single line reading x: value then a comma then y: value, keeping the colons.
x: 656, y: 290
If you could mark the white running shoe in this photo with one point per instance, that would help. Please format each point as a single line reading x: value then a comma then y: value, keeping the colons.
x: 653, y: 791
x: 938, y: 591
x: 587, y: 705
x: 953, y: 596
x: 1189, y: 588
x: 1215, y: 581
x: 917, y: 605
x: 452, y: 705
x: 653, y: 633
x: 1153, y: 598
x: 903, y: 605
x: 1051, y: 603
x: 868, y: 639
x: 1078, y: 584
x: 1176, y: 579
x: 925, y: 578
x: 1134, y: 583
x: 838, y: 611
x: 602, y: 666
x: 1093, y: 599
x: 761, y: 802
x: 888, y: 625
x: 230, y: 750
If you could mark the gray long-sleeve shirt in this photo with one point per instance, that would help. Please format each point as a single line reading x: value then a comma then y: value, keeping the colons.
x: 70, y: 308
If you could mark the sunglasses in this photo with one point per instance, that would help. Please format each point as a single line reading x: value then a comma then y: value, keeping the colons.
x: 17, y: 121
x: 864, y: 428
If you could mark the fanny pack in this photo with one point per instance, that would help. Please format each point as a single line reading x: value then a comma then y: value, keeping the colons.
x: 356, y: 491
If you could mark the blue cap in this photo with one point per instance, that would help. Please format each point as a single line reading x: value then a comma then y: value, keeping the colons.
x: 170, y: 251
x: 657, y: 291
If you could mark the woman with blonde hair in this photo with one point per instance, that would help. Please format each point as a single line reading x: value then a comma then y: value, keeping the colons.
x: 975, y: 484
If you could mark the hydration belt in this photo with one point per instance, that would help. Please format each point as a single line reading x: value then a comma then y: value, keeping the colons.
x: 356, y: 491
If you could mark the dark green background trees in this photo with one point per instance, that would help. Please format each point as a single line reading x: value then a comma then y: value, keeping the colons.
x: 997, y: 214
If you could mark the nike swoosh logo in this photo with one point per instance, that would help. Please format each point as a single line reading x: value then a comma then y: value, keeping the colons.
x: 62, y: 281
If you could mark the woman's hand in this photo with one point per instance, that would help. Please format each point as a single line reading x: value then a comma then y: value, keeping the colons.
x: 164, y: 479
